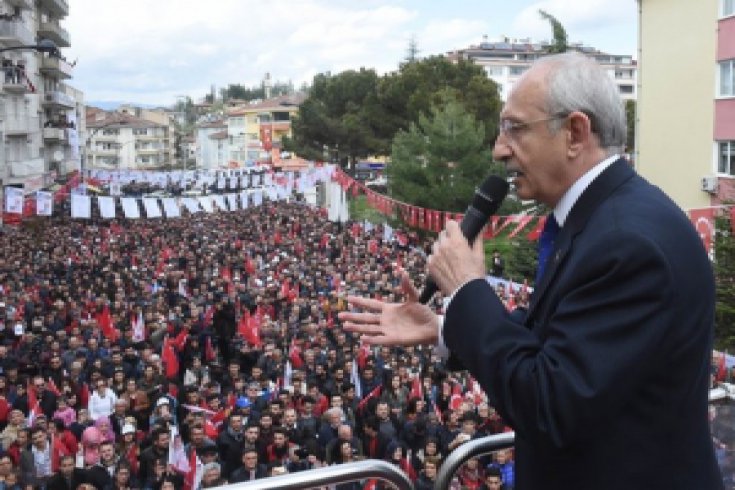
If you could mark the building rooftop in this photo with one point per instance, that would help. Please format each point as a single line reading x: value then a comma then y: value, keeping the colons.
x: 100, y: 119
x: 282, y: 102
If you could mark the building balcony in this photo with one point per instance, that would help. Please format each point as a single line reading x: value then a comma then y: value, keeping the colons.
x: 55, y: 135
x: 150, y: 149
x: 59, y: 99
x: 26, y: 167
x: 12, y: 87
x: 104, y: 152
x: 56, y: 33
x: 18, y: 125
x: 14, y: 34
x: 56, y: 67
x: 60, y: 8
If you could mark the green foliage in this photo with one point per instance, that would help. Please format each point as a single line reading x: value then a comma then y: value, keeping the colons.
x: 438, y: 162
x: 337, y: 120
x: 410, y: 92
x: 356, y: 114
x: 630, y: 119
x: 519, y: 255
x: 724, y: 266
x: 560, y: 34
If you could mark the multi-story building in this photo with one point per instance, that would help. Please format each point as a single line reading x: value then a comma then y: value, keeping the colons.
x: 686, y: 111
x: 505, y: 61
x: 212, y: 147
x: 255, y: 128
x: 39, y: 112
x: 121, y: 140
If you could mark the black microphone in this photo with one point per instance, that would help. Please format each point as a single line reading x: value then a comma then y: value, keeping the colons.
x: 488, y: 198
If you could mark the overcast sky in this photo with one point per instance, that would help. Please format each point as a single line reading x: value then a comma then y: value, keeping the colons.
x: 151, y: 51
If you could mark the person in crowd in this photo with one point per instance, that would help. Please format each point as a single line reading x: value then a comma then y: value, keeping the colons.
x: 250, y: 469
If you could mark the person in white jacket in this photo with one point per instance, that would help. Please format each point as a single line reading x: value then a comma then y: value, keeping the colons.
x: 101, y: 401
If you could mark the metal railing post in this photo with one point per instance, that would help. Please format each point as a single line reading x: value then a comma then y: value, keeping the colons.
x: 330, y: 475
x: 468, y: 450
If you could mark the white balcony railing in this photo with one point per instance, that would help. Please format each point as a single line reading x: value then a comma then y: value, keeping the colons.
x: 59, y: 99
x: 54, y: 134
x: 56, y: 66
x: 56, y: 33
x: 13, y: 34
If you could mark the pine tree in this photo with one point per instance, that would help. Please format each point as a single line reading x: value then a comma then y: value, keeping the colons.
x: 724, y: 266
x: 439, y: 161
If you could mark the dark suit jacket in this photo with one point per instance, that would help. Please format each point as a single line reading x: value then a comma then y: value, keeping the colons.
x: 241, y: 474
x: 605, y: 378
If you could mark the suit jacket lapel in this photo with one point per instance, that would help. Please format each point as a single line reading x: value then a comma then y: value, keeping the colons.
x: 599, y: 190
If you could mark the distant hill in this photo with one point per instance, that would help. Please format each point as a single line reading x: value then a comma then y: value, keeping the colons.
x: 110, y: 105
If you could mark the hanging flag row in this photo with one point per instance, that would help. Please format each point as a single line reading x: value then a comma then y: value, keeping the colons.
x: 434, y: 220
x: 171, y: 207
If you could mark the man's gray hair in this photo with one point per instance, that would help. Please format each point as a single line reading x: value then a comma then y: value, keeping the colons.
x: 577, y: 83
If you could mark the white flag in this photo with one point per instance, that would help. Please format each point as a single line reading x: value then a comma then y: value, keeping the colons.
x: 219, y: 200
x: 244, y: 199
x: 130, y: 207
x: 152, y: 209
x: 138, y: 326
x: 387, y: 233
x: 81, y: 206
x: 14, y: 200
x: 107, y: 207
x: 206, y: 202
x: 170, y: 207
x: 44, y: 203
x: 232, y: 201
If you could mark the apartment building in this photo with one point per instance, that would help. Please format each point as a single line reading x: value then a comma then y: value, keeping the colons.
x: 686, y: 111
x: 506, y: 60
x: 39, y: 113
x: 254, y: 128
x: 211, y: 145
x: 122, y: 140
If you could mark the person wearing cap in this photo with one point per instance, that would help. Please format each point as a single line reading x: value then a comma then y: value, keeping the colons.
x: 163, y: 412
x: 128, y: 448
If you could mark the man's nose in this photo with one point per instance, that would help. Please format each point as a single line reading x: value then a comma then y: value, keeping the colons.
x: 501, y: 150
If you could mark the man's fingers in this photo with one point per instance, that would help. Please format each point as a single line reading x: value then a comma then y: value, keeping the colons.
x: 366, y: 303
x: 360, y: 318
x: 363, y: 329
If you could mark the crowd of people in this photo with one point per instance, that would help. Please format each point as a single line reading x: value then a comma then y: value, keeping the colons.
x: 186, y: 353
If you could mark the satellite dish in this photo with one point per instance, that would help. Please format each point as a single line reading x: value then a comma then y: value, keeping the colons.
x: 58, y: 156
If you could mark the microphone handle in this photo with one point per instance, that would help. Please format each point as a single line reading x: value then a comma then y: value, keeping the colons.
x: 471, y: 225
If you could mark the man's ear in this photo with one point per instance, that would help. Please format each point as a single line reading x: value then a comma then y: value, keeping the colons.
x: 579, y: 126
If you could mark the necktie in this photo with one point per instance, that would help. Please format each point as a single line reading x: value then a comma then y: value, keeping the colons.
x: 546, y: 245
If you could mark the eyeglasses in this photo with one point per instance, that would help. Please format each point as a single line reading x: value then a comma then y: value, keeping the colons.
x: 509, y: 127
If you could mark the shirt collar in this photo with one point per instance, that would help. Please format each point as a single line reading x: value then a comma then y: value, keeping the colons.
x: 567, y: 201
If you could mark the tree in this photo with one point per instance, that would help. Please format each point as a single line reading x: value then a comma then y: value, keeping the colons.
x: 560, y: 34
x: 336, y: 120
x: 439, y: 161
x: 417, y: 86
x: 724, y: 266
x: 412, y: 53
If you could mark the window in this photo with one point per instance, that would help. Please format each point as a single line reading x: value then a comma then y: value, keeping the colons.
x: 626, y: 89
x: 727, y: 78
x: 726, y: 157
x: 110, y: 132
x: 728, y: 8
x: 494, y: 71
x: 140, y: 131
x: 517, y: 70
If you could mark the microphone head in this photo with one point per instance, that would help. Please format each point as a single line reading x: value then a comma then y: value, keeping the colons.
x: 489, y: 195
